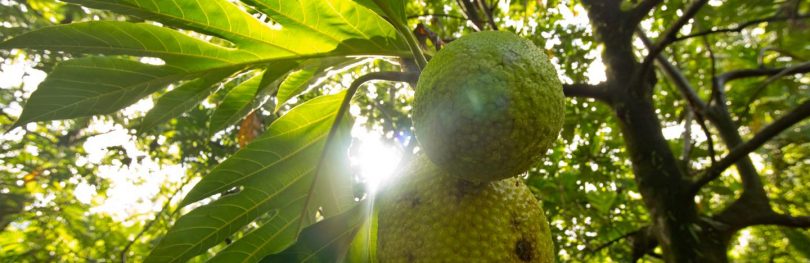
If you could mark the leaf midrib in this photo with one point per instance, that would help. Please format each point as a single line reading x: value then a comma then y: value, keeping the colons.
x: 204, y: 26
x: 284, y: 158
x: 251, y: 208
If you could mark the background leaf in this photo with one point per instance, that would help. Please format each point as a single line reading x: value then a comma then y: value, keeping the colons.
x: 799, y: 241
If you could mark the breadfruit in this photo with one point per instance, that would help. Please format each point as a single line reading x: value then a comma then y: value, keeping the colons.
x: 487, y: 106
x: 427, y: 215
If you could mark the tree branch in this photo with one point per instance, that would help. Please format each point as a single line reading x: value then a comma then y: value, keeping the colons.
x: 436, y: 15
x: 747, y: 73
x: 469, y: 10
x: 583, y: 90
x: 770, y: 80
x: 675, y: 75
x: 151, y: 223
x: 642, y: 9
x: 611, y: 242
x: 643, y: 243
x: 785, y: 220
x: 670, y: 35
x: 487, y: 10
x: 742, y: 26
x: 795, y: 116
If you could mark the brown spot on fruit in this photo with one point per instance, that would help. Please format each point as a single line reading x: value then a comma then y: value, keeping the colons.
x: 523, y: 249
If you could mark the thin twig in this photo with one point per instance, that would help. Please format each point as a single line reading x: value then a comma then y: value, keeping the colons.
x: 695, y: 102
x: 715, y: 91
x: 768, y: 81
x: 436, y: 15
x: 670, y: 35
x: 488, y: 12
x: 795, y: 116
x: 748, y: 73
x: 742, y: 26
x: 640, y: 11
x: 607, y: 244
x: 152, y: 222
x: 586, y: 91
x: 472, y: 15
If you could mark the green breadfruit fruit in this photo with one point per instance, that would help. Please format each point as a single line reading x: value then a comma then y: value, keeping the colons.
x: 488, y: 106
x: 427, y: 215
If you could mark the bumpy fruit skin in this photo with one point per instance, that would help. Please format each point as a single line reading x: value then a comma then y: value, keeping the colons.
x: 430, y: 216
x: 487, y: 106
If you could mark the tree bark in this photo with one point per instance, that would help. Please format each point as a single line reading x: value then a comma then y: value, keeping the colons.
x: 681, y: 233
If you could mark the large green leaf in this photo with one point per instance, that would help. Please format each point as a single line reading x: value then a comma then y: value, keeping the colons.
x: 220, y: 18
x: 282, y: 229
x: 252, y: 42
x: 279, y: 169
x: 393, y: 10
x: 327, y: 240
x: 96, y: 85
x: 317, y: 23
x: 136, y: 39
x: 273, y: 171
x: 349, y: 27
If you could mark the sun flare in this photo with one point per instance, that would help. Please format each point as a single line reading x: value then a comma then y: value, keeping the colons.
x: 375, y: 160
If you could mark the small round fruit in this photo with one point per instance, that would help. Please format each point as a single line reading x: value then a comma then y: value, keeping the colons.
x: 488, y: 106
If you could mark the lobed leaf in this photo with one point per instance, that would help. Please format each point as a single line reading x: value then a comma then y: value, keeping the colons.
x: 135, y: 39
x: 96, y: 85
x: 274, y: 170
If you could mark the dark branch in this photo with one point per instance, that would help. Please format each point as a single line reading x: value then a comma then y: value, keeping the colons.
x: 695, y: 103
x: 742, y: 26
x: 770, y: 80
x: 469, y: 10
x: 715, y: 91
x: 670, y: 35
x: 582, y: 90
x: 487, y: 10
x: 680, y: 80
x: 643, y: 243
x: 436, y: 15
x: 785, y: 220
x: 795, y: 116
x: 611, y: 242
x: 642, y: 9
x: 747, y: 73
x: 149, y: 225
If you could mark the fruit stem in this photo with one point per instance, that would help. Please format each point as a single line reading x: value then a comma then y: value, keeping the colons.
x: 402, y: 28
